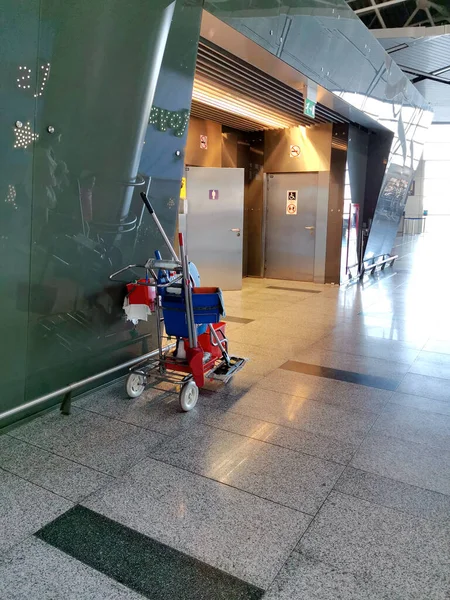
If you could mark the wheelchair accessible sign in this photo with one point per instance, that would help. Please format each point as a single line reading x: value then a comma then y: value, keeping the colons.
x: 291, y: 202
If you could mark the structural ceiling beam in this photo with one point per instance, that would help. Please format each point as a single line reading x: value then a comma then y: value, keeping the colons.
x: 376, y: 7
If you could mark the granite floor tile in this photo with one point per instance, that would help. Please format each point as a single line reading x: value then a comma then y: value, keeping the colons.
x: 352, y: 362
x: 259, y: 364
x: 396, y: 314
x: 224, y: 397
x: 239, y: 320
x: 303, y: 578
x: 262, y: 283
x: 421, y: 385
x: 404, y: 556
x: 36, y: 570
x: 254, y: 353
x: 414, y: 425
x: 54, y: 473
x: 387, y: 331
x: 409, y: 462
x: 249, y: 308
x: 245, y: 311
x: 25, y: 508
x: 434, y: 358
x: 312, y: 313
x: 344, y: 300
x: 234, y: 326
x: 141, y: 563
x: 437, y: 345
x: 354, y: 377
x: 324, y: 419
x: 432, y: 364
x: 427, y: 404
x: 289, y: 346
x: 293, y: 289
x: 270, y: 334
x: 295, y: 480
x: 244, y: 379
x: 309, y: 312
x: 107, y: 445
x: 293, y: 295
x: 205, y: 519
x: 395, y: 494
x: 387, y: 350
x: 285, y: 346
x: 154, y: 410
x: 294, y: 439
x: 345, y: 395
x: 303, y: 319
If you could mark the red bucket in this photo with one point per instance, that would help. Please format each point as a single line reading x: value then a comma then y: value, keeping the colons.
x: 142, y: 292
x: 205, y: 340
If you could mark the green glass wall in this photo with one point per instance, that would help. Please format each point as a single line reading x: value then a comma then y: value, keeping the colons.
x: 78, y: 79
x: 19, y: 27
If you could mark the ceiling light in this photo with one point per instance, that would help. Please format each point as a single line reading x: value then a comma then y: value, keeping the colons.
x: 208, y: 94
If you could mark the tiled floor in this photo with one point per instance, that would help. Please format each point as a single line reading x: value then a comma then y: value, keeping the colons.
x: 321, y: 472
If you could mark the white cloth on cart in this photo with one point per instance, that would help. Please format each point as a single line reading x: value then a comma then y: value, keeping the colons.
x: 136, y: 312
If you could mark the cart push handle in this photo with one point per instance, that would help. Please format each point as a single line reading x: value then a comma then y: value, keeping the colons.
x: 146, y: 201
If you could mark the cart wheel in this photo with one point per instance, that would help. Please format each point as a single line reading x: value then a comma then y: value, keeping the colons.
x: 135, y: 385
x: 188, y: 396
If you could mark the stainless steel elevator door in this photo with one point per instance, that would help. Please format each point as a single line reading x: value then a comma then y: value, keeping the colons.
x: 215, y: 224
x: 290, y: 238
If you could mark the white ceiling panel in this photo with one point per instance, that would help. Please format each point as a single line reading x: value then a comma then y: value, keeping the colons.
x: 424, y: 54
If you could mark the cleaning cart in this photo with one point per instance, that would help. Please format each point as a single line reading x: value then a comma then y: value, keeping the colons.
x: 189, y: 314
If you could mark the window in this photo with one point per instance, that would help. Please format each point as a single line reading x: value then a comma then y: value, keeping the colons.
x: 437, y: 170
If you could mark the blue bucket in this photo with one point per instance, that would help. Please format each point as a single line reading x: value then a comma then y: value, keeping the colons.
x: 208, y: 308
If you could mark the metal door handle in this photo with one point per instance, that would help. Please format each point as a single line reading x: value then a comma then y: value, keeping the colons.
x: 310, y: 228
x: 236, y: 230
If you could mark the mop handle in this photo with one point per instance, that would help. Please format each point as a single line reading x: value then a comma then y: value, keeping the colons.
x: 192, y: 330
x: 146, y: 201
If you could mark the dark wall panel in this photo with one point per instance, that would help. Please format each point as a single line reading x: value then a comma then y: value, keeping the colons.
x: 254, y: 206
x: 360, y: 189
x: 93, y: 71
x: 335, y: 210
x: 230, y: 149
x: 377, y: 160
x: 357, y: 156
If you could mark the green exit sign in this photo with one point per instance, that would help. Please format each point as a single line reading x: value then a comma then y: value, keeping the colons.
x: 309, y: 108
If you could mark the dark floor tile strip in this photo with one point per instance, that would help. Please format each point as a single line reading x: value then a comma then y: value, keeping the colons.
x: 373, y: 381
x: 142, y: 564
x: 238, y: 320
x: 289, y: 289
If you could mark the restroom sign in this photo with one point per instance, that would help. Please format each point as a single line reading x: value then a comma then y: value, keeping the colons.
x: 213, y: 194
x: 291, y: 202
x: 294, y: 151
x: 204, y: 142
